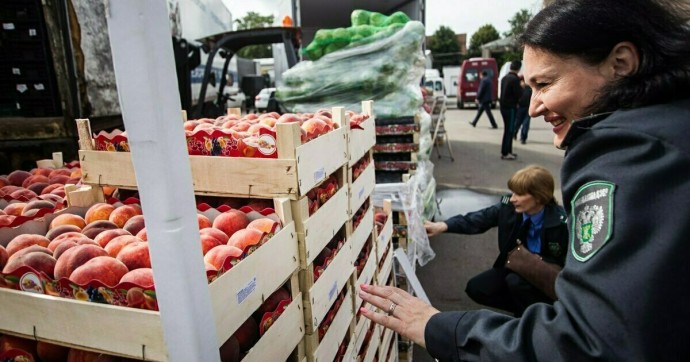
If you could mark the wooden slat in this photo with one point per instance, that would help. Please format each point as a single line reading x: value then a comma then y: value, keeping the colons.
x: 320, y: 297
x: 342, y: 323
x: 281, y: 339
x: 360, y: 141
x: 129, y: 332
x: 384, y: 238
x: 317, y: 230
x: 363, y: 233
x: 320, y: 157
x: 385, y: 344
x: 374, y: 343
x: 384, y: 273
x: 362, y: 187
x: 236, y: 294
x: 366, y: 277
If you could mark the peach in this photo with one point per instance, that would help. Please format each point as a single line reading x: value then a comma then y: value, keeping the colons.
x: 31, y: 249
x: 15, y: 208
x: 116, y: 244
x: 6, y: 220
x: 61, y: 229
x: 58, y: 179
x: 23, y: 194
x: 68, y: 219
x: 288, y: 118
x: 263, y: 224
x: 38, y: 187
x: 134, y: 224
x: 135, y: 255
x: 25, y: 240
x: 142, y: 277
x: 67, y: 235
x: 105, y: 269
x: 216, y: 256
x: 247, y: 334
x: 32, y: 207
x: 7, y: 190
x: 62, y: 247
x: 48, y: 352
x: 271, y: 303
x: 93, y: 229
x: 4, y: 181
x: 231, y: 221
x: 75, y: 257
x: 34, y: 179
x: 57, y: 199
x: 106, y: 236
x: 208, y: 242
x: 120, y: 215
x: 59, y: 171
x: 76, y: 173
x: 204, y: 222
x: 216, y: 233
x: 245, y: 238
x: 143, y: 235
x: 17, y: 177
x: 3, y: 257
x: 98, y: 211
x: 60, y: 190
x: 41, y: 262
x: 50, y: 188
x: 230, y: 350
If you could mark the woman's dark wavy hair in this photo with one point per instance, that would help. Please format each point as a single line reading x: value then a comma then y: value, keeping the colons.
x: 589, y: 29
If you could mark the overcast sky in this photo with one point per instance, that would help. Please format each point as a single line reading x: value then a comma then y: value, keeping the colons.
x: 466, y: 16
x: 463, y: 16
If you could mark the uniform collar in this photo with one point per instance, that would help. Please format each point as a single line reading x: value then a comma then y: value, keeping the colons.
x: 580, y: 126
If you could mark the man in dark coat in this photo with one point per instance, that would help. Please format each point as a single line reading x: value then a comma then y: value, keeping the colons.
x: 510, y: 95
x: 484, y: 99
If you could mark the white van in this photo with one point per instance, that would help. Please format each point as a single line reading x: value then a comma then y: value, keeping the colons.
x: 435, y: 85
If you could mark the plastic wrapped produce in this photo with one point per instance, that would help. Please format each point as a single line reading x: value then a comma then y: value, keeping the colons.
x: 387, y: 70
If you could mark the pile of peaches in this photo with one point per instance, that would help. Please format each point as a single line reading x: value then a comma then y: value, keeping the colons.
x: 319, y: 195
x: 23, y: 194
x: 360, y: 166
x: 108, y: 247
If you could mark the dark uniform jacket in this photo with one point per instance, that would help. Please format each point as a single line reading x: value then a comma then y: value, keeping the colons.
x: 510, y: 90
x: 554, y: 232
x: 624, y: 292
x: 485, y: 93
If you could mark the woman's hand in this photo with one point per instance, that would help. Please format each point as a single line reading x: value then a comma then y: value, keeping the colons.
x: 435, y: 228
x: 401, y: 312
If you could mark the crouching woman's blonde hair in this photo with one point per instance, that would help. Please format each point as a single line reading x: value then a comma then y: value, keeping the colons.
x: 534, y: 180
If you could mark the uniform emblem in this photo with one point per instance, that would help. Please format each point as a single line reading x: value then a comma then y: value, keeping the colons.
x: 592, y: 215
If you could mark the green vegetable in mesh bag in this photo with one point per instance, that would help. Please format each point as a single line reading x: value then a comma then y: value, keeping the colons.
x: 397, y: 17
x: 377, y: 19
x: 330, y: 48
x: 359, y: 17
x: 340, y: 35
x: 322, y: 36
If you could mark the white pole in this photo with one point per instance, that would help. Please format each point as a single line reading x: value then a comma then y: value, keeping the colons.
x: 146, y: 80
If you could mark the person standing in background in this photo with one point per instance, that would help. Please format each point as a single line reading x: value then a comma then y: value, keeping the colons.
x: 484, y: 100
x: 522, y: 117
x: 510, y: 95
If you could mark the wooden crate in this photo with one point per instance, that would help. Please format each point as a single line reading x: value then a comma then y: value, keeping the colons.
x: 360, y: 141
x: 373, y: 347
x: 367, y: 276
x: 137, y: 333
x: 298, y: 168
x: 342, y: 326
x: 315, y: 231
x: 361, y: 188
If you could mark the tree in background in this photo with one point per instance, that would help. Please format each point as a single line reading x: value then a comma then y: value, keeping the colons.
x: 485, y: 34
x: 444, y: 47
x: 251, y: 21
x: 518, y: 23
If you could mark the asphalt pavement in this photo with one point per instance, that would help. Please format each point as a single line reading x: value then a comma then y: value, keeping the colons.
x: 477, y: 176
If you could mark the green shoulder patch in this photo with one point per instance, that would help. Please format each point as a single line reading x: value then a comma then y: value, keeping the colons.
x: 505, y: 200
x: 592, y: 215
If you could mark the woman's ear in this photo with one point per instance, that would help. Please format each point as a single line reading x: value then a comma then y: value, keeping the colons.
x: 624, y: 59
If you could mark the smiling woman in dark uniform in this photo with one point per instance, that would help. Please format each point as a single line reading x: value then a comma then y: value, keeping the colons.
x: 612, y: 77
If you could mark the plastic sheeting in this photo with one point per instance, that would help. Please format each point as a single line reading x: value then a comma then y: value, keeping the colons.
x: 408, y: 197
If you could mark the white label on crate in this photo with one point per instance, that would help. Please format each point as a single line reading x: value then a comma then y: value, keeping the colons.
x: 333, y: 291
x: 32, y: 32
x: 246, y: 291
x: 39, y: 86
x: 21, y: 88
x: 8, y: 26
x: 16, y: 71
x: 319, y: 174
x: 361, y: 193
